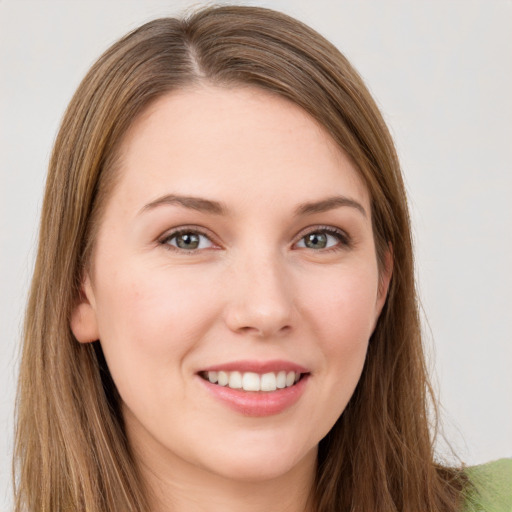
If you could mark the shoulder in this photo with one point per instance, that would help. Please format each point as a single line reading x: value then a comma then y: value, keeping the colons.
x: 491, y: 487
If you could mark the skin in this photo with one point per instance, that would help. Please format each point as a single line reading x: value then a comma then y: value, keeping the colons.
x: 252, y: 290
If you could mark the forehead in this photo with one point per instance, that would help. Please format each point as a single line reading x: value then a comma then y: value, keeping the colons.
x: 233, y: 143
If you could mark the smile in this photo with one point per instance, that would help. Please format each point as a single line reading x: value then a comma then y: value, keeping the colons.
x: 256, y: 388
x: 251, y: 381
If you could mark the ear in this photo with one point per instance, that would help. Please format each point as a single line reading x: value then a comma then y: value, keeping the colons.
x: 384, y: 280
x: 83, y: 322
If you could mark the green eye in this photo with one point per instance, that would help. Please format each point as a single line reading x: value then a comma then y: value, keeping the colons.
x: 324, y: 239
x: 188, y: 241
x: 316, y: 241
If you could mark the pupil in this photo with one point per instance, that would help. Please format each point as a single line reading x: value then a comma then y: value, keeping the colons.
x: 316, y: 241
x: 188, y: 241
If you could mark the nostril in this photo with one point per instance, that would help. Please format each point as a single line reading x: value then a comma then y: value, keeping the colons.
x: 263, y: 332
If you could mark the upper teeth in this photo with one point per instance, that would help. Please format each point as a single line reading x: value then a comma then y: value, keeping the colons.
x: 250, y: 381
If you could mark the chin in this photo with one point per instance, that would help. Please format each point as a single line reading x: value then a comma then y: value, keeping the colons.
x: 256, y: 463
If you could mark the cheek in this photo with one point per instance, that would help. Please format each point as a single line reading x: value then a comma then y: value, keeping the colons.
x: 341, y: 312
x: 151, y: 308
x: 148, y: 322
x: 342, y: 306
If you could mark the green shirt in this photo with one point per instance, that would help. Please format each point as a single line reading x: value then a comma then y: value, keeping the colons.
x: 492, y: 487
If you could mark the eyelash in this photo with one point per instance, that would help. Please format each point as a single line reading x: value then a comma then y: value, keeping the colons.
x: 184, y: 230
x: 344, y: 240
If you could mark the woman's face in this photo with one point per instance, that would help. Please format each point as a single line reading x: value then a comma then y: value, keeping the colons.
x: 236, y: 246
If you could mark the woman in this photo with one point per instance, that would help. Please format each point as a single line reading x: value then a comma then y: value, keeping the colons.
x: 223, y: 310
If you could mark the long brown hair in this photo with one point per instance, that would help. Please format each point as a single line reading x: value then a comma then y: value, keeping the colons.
x: 71, y: 450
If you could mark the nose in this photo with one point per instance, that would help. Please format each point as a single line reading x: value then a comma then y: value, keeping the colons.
x: 260, y: 299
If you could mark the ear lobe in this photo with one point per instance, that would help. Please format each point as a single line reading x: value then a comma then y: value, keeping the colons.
x: 83, y: 323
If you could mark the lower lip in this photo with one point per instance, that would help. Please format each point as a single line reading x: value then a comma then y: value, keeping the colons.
x: 258, y: 403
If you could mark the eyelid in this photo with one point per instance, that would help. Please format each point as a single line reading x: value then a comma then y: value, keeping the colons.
x: 343, y: 237
x: 170, y: 233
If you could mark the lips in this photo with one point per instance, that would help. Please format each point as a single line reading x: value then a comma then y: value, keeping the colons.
x: 256, y: 388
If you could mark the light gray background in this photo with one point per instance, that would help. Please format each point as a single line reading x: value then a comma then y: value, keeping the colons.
x: 441, y: 72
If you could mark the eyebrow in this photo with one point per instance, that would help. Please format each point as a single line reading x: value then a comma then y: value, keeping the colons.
x: 194, y: 203
x: 217, y: 208
x: 329, y: 204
